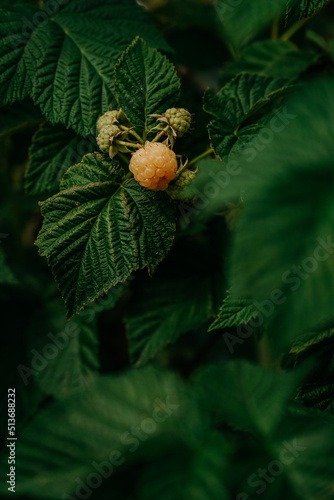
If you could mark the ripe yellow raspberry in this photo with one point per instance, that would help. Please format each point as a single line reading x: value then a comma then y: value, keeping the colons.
x: 154, y: 166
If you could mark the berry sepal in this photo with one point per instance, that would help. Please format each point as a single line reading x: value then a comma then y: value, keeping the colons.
x: 112, y: 139
x: 175, y: 122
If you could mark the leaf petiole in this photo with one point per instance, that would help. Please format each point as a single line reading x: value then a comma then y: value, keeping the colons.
x: 203, y: 155
x: 132, y: 132
x: 160, y: 134
x: 293, y: 29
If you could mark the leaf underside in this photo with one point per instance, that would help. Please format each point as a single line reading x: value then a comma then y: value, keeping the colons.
x: 236, y: 102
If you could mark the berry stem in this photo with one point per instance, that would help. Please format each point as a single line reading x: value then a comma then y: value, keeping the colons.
x: 181, y: 169
x: 203, y: 155
x: 294, y: 28
x: 160, y: 134
x: 275, y: 27
x: 127, y: 144
x: 132, y: 132
x: 233, y: 52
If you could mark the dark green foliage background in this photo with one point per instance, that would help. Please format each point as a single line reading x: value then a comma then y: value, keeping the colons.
x: 165, y: 318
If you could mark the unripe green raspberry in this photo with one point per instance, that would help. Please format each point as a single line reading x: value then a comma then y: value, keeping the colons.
x: 176, y: 188
x: 184, y: 178
x: 103, y: 139
x: 109, y: 118
x: 179, y: 119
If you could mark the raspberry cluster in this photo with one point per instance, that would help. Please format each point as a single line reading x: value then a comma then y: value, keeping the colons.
x: 154, y: 166
x: 179, y: 119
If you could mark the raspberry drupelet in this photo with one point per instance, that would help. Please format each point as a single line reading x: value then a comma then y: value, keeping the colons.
x: 154, y: 166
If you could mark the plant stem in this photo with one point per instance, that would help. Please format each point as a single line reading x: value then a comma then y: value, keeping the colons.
x: 293, y: 29
x: 203, y: 155
x: 263, y: 350
x: 233, y: 52
x: 128, y: 176
x: 132, y: 132
x: 137, y: 136
x: 274, y: 28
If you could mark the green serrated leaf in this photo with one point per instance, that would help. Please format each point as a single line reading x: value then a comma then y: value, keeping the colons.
x: 287, y: 223
x: 106, y: 302
x: 309, y: 341
x: 95, y: 427
x: 54, y: 149
x: 319, y: 393
x: 234, y: 312
x: 181, y: 297
x: 251, y: 397
x: 236, y: 102
x: 242, y: 20
x: 305, y: 8
x: 326, y: 45
x: 68, y: 360
x: 318, y: 390
x: 63, y: 56
x: 275, y: 58
x: 98, y: 230
x: 258, y: 400
x: 145, y: 83
x: 189, y: 474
